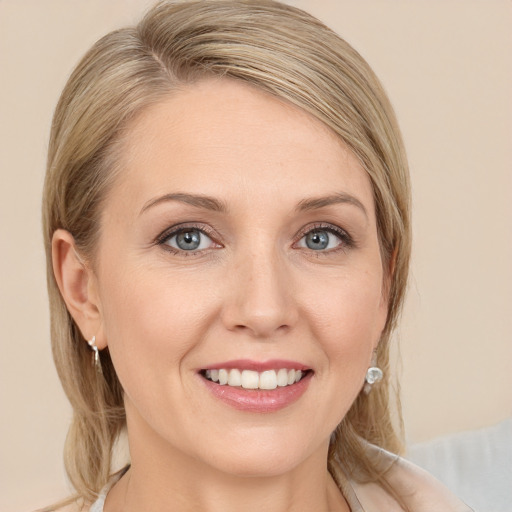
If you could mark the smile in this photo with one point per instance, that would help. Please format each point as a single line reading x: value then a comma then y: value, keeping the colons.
x: 251, y: 379
x: 257, y: 386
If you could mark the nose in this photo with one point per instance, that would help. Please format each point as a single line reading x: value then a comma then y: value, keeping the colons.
x: 260, y: 298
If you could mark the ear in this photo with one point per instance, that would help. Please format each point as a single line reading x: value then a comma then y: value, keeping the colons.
x: 389, y: 272
x: 78, y: 286
x: 386, y: 288
x: 392, y: 263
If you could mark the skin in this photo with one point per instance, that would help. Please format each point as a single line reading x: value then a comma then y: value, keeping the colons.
x: 254, y: 290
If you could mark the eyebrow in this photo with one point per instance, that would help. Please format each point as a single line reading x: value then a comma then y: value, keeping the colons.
x: 322, y: 202
x: 200, y: 201
x: 213, y: 204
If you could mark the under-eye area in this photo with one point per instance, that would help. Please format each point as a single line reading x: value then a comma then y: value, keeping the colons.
x: 251, y: 379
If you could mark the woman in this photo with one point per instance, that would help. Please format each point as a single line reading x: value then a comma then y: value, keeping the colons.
x: 226, y: 219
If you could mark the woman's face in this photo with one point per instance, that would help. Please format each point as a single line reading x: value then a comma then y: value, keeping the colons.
x: 239, y: 243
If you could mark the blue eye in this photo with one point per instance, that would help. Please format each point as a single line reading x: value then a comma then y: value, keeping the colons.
x: 322, y: 240
x: 189, y: 239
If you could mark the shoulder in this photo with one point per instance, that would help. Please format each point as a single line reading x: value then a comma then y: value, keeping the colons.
x: 69, y: 506
x: 76, y: 503
x: 419, y: 490
x: 74, y: 507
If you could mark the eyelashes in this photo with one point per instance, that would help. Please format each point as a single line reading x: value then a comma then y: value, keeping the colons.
x: 188, y: 239
x: 191, y: 239
x: 325, y: 238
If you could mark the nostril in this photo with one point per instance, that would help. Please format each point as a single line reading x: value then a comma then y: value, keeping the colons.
x: 261, y: 329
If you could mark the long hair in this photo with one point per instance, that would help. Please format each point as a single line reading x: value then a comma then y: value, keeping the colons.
x: 278, y: 49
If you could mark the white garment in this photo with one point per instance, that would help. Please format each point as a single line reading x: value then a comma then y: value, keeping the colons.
x: 476, y: 464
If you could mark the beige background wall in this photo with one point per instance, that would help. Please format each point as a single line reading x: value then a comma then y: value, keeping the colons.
x: 446, y: 67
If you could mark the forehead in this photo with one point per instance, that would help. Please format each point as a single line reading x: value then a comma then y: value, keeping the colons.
x: 222, y: 135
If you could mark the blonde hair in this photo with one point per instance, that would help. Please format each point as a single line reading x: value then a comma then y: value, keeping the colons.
x: 278, y: 49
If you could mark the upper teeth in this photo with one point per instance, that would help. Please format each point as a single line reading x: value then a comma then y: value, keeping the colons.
x: 249, y: 379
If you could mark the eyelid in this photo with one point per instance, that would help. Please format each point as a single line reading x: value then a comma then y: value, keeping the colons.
x: 163, y: 237
x: 347, y: 241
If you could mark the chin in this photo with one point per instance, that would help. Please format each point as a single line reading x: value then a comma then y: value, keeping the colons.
x: 258, y: 466
x: 259, y: 458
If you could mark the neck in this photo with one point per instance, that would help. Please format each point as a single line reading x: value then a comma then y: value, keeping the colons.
x: 162, y: 478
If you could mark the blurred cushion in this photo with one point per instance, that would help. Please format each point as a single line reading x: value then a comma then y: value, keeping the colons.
x: 476, y: 465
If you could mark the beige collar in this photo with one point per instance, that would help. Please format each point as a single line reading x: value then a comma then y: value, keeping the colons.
x: 419, y: 490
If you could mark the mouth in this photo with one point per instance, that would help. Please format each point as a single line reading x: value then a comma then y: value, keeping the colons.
x: 257, y: 386
x: 254, y: 380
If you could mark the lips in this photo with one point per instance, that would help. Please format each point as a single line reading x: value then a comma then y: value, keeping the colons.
x: 256, y: 386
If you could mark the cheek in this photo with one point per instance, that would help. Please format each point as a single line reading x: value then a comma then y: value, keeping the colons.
x: 151, y: 323
x: 348, y: 318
